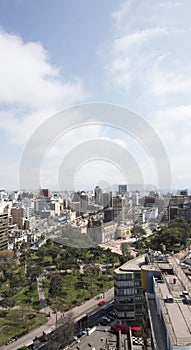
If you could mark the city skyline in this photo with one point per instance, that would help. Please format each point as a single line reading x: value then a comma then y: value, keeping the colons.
x: 58, y: 54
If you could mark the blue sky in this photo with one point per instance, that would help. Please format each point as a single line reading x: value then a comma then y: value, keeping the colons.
x: 58, y: 54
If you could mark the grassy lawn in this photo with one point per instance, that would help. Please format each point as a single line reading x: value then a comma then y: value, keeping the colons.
x: 76, y: 289
x: 17, y: 322
x: 27, y: 296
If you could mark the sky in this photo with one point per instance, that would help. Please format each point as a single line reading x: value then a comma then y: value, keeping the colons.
x: 58, y: 54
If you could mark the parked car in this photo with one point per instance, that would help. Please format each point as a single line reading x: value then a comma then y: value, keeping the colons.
x: 106, y: 319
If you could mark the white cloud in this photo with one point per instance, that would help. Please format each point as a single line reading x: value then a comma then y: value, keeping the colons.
x: 169, y: 76
x: 120, y: 14
x: 19, y: 128
x: 179, y: 114
x: 131, y: 59
x: 29, y: 79
x: 173, y: 126
x: 128, y: 41
x: 149, y: 49
x: 31, y: 88
x: 149, y: 64
x: 147, y: 59
x: 148, y: 13
x: 9, y: 174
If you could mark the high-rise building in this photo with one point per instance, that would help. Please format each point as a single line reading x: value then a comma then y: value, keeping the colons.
x: 3, y: 231
x: 98, y: 192
x: 118, y: 206
x: 128, y: 292
x: 108, y: 215
x: 84, y: 202
x: 107, y: 200
x: 135, y: 198
x: 17, y: 215
x: 40, y: 204
x: 122, y: 189
x: 45, y: 192
x: 83, y: 199
x: 183, y: 192
x: 28, y: 207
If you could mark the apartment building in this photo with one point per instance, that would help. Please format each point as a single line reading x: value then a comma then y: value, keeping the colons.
x: 128, y: 292
x: 18, y: 216
x: 3, y: 231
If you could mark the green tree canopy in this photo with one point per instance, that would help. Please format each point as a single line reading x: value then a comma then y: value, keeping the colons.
x: 55, y: 284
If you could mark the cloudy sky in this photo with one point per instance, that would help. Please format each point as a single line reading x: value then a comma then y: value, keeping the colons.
x: 58, y: 54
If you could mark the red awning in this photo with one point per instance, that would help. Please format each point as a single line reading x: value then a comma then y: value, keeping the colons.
x: 124, y: 328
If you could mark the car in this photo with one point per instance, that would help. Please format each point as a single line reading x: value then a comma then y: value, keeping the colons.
x: 101, y: 302
x: 86, y: 330
x: 106, y: 319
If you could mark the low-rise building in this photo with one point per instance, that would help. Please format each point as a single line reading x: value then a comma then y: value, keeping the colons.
x: 103, y: 233
x: 123, y: 231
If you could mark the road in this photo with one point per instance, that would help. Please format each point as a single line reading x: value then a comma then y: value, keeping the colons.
x: 88, y: 306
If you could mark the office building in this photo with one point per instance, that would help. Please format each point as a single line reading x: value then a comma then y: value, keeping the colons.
x: 98, y: 195
x: 107, y: 200
x: 122, y: 189
x: 108, y: 215
x: 84, y: 202
x: 81, y: 199
x: 118, y: 207
x: 183, y: 192
x: 135, y: 197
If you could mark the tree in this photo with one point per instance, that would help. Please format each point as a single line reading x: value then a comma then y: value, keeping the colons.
x: 55, y: 284
x: 6, y: 258
x: 125, y: 250
x: 33, y: 272
x: 168, y: 236
x: 15, y: 282
x: 63, y: 334
x: 183, y: 227
x: 137, y: 231
x: 42, y: 252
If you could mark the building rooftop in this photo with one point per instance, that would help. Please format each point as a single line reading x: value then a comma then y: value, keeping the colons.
x: 101, y: 339
x: 131, y: 265
x: 173, y: 291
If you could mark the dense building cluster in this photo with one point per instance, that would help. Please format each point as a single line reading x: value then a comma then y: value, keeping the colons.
x: 101, y: 215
